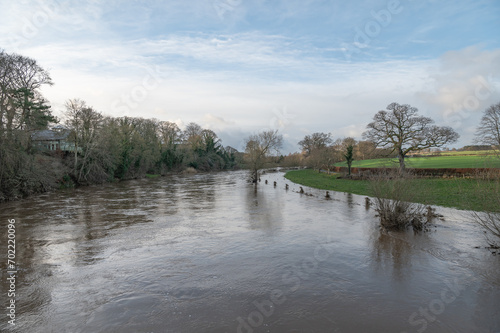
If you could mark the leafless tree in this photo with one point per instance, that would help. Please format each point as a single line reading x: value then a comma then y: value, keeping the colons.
x: 315, y: 141
x: 402, y: 130
x: 192, y: 135
x: 488, y: 131
x: 170, y: 133
x: 258, y: 147
x: 365, y: 150
x: 85, y: 123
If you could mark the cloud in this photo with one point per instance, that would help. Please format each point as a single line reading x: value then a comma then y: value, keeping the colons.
x: 463, y: 81
x: 262, y: 65
x: 461, y: 86
x: 213, y: 122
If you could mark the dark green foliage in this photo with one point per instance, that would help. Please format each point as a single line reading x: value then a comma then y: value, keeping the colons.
x: 349, y: 157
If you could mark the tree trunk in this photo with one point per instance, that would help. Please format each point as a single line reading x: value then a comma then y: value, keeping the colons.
x: 255, y: 177
x: 401, y: 158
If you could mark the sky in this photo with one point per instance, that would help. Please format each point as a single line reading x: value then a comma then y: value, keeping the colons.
x: 239, y: 67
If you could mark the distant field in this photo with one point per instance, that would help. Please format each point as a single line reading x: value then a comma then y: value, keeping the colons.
x: 457, y: 160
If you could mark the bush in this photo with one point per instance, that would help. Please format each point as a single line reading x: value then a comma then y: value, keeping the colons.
x: 488, y: 191
x: 393, y: 202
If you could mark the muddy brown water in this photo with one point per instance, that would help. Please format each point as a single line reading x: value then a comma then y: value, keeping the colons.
x: 209, y: 253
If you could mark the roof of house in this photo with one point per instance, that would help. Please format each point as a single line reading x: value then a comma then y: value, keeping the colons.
x: 49, y: 135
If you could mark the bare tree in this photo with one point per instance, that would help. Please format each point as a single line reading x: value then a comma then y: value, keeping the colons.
x: 488, y: 131
x: 192, y: 135
x: 402, y: 130
x: 85, y: 123
x: 365, y: 150
x: 258, y: 147
x: 315, y: 141
x: 170, y: 133
x: 73, y: 113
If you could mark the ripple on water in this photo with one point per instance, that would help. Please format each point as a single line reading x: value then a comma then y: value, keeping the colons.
x: 202, y: 253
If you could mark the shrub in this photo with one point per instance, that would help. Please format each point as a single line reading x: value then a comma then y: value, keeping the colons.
x: 393, y: 202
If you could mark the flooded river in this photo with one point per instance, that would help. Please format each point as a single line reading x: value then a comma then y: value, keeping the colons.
x: 209, y: 253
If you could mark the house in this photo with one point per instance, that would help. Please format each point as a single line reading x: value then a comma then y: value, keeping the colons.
x: 55, y: 139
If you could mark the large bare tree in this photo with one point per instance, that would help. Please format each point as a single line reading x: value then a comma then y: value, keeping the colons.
x: 488, y: 131
x: 403, y: 130
x: 258, y: 147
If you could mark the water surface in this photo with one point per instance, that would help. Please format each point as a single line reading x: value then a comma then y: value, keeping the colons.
x: 210, y: 253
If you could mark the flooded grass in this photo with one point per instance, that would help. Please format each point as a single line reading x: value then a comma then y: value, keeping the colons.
x: 458, y: 193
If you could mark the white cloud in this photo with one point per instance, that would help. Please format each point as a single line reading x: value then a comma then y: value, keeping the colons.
x: 182, y: 61
x: 461, y: 87
x: 233, y: 101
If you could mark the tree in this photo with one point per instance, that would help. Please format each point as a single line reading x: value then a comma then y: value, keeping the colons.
x: 22, y: 110
x: 349, y: 157
x: 258, y: 147
x: 86, y: 124
x: 73, y: 113
x: 488, y: 131
x: 402, y: 130
x: 209, y: 141
x: 192, y: 135
x: 315, y: 141
x: 33, y: 111
x: 22, y: 107
x: 170, y: 135
x: 366, y: 150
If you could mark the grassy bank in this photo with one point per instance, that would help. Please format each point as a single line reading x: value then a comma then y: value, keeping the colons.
x: 457, y: 193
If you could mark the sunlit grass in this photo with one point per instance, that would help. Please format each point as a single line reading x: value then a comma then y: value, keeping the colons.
x: 452, y: 161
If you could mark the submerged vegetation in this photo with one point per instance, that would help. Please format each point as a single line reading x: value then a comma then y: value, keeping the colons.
x: 461, y: 193
x: 400, y: 201
x: 395, y: 204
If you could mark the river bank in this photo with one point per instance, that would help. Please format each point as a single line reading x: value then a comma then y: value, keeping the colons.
x: 453, y: 192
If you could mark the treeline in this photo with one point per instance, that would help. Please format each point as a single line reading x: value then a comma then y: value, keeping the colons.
x: 124, y: 148
x: 320, y: 151
x: 101, y: 148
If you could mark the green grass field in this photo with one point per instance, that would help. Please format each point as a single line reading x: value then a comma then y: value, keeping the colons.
x: 457, y: 193
x: 448, y: 161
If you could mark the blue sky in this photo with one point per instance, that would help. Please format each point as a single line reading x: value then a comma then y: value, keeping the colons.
x: 241, y: 66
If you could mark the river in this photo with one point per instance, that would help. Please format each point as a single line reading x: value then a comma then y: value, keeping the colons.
x: 210, y: 253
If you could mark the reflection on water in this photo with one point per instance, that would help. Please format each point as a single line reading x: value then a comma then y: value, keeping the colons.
x: 264, y: 211
x: 211, y: 253
x: 392, y: 253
